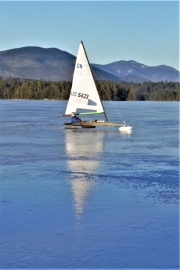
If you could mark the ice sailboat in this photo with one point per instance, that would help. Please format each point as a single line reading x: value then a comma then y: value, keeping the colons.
x: 84, y: 98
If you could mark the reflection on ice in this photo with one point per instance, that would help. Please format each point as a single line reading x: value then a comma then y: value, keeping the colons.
x: 80, y: 191
x: 126, y: 131
x: 82, y: 149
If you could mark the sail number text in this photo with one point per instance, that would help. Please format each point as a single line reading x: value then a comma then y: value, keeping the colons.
x: 76, y: 94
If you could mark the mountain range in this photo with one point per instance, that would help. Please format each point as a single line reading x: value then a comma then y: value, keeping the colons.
x: 55, y: 65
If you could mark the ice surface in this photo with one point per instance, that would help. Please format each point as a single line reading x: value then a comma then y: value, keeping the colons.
x: 89, y: 198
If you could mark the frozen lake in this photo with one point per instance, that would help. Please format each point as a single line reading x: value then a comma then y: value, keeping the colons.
x: 89, y: 198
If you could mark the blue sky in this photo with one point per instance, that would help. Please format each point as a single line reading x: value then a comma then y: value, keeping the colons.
x: 144, y: 31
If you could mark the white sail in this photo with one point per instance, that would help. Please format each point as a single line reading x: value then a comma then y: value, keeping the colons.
x: 84, y: 95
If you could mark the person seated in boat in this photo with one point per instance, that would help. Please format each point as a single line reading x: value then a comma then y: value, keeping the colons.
x: 74, y: 118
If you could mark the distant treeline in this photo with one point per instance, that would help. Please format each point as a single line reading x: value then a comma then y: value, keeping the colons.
x: 40, y: 89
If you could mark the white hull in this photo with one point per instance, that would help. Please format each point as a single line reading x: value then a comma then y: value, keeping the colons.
x: 127, y: 128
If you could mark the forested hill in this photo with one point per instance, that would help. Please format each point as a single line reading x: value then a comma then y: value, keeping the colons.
x: 122, y: 91
x: 129, y: 69
x: 52, y: 64
x: 39, y: 63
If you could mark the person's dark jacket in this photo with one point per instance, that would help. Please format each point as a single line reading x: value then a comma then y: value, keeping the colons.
x: 75, y: 119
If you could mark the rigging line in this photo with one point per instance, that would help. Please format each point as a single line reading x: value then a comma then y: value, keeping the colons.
x: 108, y: 96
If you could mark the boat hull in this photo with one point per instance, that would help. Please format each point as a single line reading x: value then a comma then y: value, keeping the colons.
x: 94, y: 124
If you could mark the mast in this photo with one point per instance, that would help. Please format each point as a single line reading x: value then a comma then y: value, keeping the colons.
x: 93, y: 79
